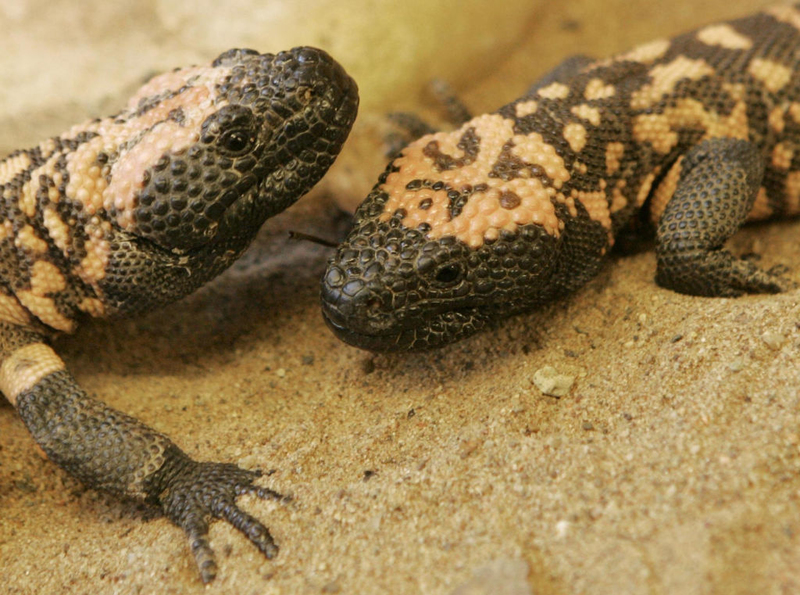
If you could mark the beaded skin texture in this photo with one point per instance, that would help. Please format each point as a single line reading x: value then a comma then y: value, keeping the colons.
x: 519, y: 207
x: 123, y: 214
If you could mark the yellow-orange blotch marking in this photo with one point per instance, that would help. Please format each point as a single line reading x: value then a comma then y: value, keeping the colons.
x: 588, y: 113
x: 647, y: 53
x: 93, y: 267
x: 660, y: 129
x: 484, y: 216
x: 58, y: 231
x: 665, y: 191
x: 87, y: 180
x: 597, y: 89
x: 47, y: 147
x: 575, y: 134
x: 614, y: 152
x: 618, y: 200
x: 27, y: 238
x: 772, y: 75
x: 666, y: 76
x: 533, y: 149
x: 761, y: 208
x: 782, y: 156
x: 27, y: 198
x: 554, y: 91
x: 644, y: 189
x: 46, y: 278
x: 25, y: 368
x: 6, y: 229
x: 526, y: 108
x: 596, y: 204
x: 691, y: 113
x: 655, y: 129
x: 793, y: 192
x: 12, y: 311
x: 569, y: 202
x: 13, y: 166
x: 794, y: 111
x: 737, y: 91
x: 776, y: 120
x: 45, y: 309
x: 786, y: 14
x: 93, y: 307
x: 724, y: 36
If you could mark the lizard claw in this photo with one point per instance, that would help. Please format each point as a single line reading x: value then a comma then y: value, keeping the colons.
x: 198, y: 491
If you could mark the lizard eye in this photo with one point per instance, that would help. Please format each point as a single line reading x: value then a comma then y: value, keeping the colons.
x: 449, y: 274
x: 236, y: 141
x: 233, y: 130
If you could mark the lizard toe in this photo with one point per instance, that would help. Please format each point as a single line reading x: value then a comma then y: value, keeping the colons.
x: 194, y: 492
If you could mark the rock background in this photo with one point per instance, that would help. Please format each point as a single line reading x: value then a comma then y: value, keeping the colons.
x: 671, y: 466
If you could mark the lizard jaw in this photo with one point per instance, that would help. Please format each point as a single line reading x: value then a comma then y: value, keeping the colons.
x: 390, y: 334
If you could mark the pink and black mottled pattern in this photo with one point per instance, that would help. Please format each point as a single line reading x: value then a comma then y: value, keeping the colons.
x: 123, y: 214
x: 520, y: 207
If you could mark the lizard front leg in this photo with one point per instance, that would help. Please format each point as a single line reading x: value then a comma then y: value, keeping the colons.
x: 718, y: 183
x: 112, y: 451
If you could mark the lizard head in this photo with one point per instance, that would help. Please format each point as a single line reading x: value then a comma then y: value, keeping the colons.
x: 463, y: 228
x: 220, y: 148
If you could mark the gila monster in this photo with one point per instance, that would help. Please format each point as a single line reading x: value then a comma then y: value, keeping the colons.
x: 517, y: 208
x: 123, y: 214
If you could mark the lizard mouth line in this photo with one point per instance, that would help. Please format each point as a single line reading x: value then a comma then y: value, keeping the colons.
x: 399, y: 334
x: 380, y: 340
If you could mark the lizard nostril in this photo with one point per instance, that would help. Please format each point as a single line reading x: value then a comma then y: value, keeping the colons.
x: 374, y: 305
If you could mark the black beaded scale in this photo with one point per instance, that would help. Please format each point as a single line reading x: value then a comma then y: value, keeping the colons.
x: 520, y: 207
x: 123, y: 214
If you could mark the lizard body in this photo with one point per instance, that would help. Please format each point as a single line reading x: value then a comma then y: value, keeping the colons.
x: 126, y: 213
x: 520, y: 207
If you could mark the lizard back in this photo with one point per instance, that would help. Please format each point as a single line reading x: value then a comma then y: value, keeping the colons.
x: 520, y: 206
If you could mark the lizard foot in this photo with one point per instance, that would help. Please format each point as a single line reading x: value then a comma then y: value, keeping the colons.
x: 720, y: 274
x: 192, y: 492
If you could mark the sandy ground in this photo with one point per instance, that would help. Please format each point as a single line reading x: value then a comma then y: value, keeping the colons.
x: 671, y: 466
